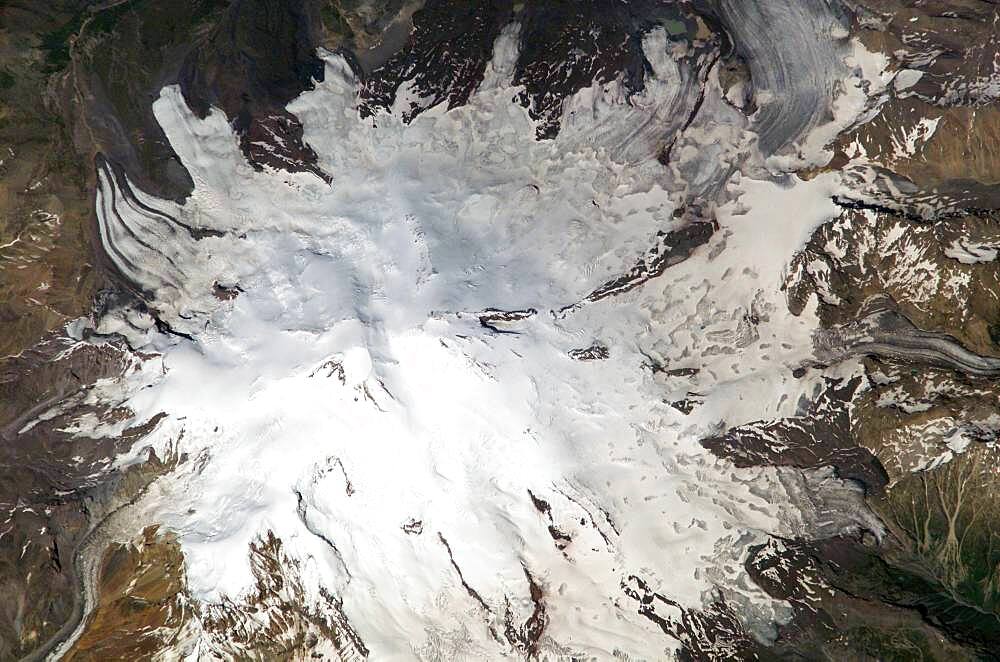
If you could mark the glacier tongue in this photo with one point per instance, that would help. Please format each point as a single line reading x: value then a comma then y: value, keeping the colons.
x: 391, y: 393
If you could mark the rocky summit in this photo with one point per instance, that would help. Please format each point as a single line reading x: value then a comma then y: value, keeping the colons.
x: 495, y: 329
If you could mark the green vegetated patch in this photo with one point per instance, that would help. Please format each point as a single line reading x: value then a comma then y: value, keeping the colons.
x: 133, y: 40
x: 874, y: 632
x: 675, y: 28
x: 872, y: 579
x: 951, y: 519
x: 56, y: 43
x: 994, y: 331
x: 7, y: 79
x: 891, y: 645
x: 334, y: 21
x: 947, y: 566
x: 941, y: 555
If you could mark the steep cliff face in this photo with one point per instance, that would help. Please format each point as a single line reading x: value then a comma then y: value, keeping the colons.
x: 347, y: 329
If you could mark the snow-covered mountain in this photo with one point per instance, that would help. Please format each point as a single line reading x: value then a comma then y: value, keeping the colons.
x: 536, y: 331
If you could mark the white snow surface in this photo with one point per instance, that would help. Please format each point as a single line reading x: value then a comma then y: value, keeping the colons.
x: 350, y: 389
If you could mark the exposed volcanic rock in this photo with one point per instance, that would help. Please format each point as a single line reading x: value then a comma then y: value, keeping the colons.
x: 933, y: 144
x: 935, y: 154
x: 713, y: 635
x: 43, y: 487
x: 443, y: 60
x: 907, y: 276
x: 921, y: 268
x: 953, y: 42
x: 60, y: 482
x: 140, y: 598
x: 820, y: 436
x: 862, y: 572
x: 526, y: 637
x: 931, y: 567
x: 673, y: 247
x: 504, y: 321
x: 122, y: 54
x: 832, y: 619
x: 565, y: 47
x: 144, y: 606
x: 260, y: 56
x: 596, y: 352
x: 916, y: 421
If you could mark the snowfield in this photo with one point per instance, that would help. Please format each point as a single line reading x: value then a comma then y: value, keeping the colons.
x: 423, y: 456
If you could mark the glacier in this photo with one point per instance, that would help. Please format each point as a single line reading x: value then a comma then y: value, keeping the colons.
x: 408, y: 377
